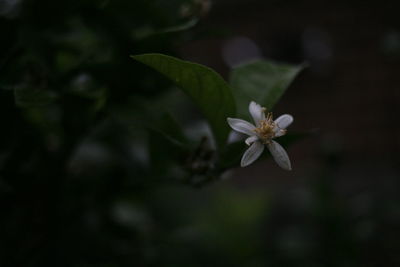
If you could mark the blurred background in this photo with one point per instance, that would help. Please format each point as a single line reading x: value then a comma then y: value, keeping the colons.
x: 77, y: 183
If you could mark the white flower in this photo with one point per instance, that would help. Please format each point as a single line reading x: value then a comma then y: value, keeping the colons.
x: 261, y: 134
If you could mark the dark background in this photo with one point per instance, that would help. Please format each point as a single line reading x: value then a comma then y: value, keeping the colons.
x: 75, y: 191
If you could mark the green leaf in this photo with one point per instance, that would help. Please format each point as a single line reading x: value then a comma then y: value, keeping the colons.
x: 261, y: 81
x: 168, y: 148
x: 28, y: 97
x: 171, y: 128
x: 231, y: 155
x: 204, y: 86
x: 164, y: 151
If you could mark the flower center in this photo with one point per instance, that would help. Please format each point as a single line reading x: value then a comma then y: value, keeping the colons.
x: 265, y: 130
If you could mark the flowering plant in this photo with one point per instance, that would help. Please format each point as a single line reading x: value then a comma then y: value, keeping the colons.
x: 262, y: 133
x: 220, y: 102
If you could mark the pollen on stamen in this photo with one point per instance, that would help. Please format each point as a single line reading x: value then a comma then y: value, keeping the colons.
x: 266, y: 129
x: 269, y: 117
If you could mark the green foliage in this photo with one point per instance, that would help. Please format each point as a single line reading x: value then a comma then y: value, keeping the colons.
x: 203, y: 85
x: 32, y: 97
x: 261, y: 81
x: 99, y: 165
x: 167, y: 146
x: 86, y: 144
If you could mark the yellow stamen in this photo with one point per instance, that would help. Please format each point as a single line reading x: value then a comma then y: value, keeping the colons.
x: 265, y: 130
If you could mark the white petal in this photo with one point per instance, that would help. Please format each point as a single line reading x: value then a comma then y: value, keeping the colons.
x: 241, y: 126
x: 279, y: 132
x: 252, y: 153
x: 256, y: 112
x: 282, y: 122
x: 280, y: 156
x: 251, y: 140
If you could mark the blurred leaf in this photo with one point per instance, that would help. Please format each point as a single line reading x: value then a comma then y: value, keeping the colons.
x: 171, y: 128
x: 207, y: 89
x: 181, y: 27
x: 147, y: 31
x: 261, y: 81
x: 165, y: 154
x: 26, y: 97
x: 231, y: 155
x: 167, y: 144
x: 229, y: 222
x: 67, y: 61
x: 88, y: 90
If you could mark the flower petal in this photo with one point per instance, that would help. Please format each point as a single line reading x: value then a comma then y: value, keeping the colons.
x: 241, y: 126
x: 252, y: 153
x: 280, y: 156
x: 282, y: 122
x: 251, y: 140
x: 256, y: 112
x: 279, y: 132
